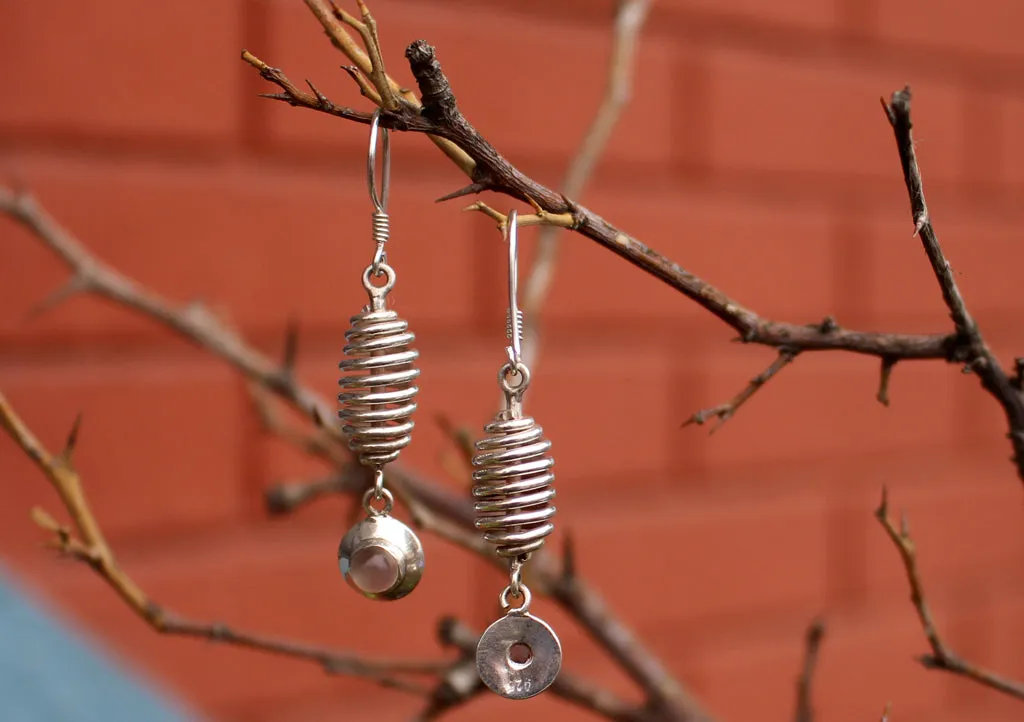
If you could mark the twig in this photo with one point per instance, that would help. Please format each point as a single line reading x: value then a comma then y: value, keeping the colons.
x: 320, y: 442
x: 724, y: 412
x: 812, y: 644
x: 86, y: 544
x: 287, y: 496
x: 979, y: 357
x: 629, y: 20
x: 541, y: 218
x: 328, y: 15
x: 941, y: 657
x: 367, y: 29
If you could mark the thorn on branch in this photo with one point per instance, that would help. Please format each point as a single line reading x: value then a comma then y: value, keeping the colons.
x: 724, y: 412
x: 72, y: 440
x: 888, y: 362
x: 291, y: 345
x: 812, y: 645
x: 1017, y: 379
x: 569, y: 558
x: 469, y: 190
x: 828, y: 325
x: 78, y: 283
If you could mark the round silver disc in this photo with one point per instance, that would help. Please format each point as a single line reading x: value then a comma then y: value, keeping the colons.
x: 381, y: 558
x: 518, y: 656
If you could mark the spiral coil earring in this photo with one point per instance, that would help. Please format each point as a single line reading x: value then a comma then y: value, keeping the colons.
x: 380, y: 556
x: 519, y: 655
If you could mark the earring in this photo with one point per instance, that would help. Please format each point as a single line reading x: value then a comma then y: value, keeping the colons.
x: 519, y: 655
x: 380, y: 556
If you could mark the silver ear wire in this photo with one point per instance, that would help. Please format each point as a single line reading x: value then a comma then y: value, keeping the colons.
x: 514, y: 316
x: 381, y: 220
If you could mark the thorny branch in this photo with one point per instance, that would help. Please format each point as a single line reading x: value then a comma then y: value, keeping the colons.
x: 439, y: 116
x: 941, y: 657
x: 978, y: 356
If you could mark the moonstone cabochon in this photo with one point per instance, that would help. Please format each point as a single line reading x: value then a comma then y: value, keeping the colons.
x: 366, y: 542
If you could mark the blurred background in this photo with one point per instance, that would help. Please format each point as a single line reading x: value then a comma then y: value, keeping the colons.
x: 754, y: 153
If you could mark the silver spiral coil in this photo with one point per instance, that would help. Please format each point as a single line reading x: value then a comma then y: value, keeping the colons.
x: 378, y: 374
x: 381, y: 227
x: 513, y: 486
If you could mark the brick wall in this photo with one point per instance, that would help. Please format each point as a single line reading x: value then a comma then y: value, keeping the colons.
x: 754, y: 153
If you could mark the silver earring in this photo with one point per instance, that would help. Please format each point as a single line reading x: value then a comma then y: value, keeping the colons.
x: 380, y: 556
x: 519, y: 655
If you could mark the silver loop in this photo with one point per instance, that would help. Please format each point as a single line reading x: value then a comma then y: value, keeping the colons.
x: 516, y: 578
x: 523, y: 608
x: 378, y: 483
x: 371, y: 496
x: 515, y: 316
x: 380, y: 201
x: 508, y: 370
x: 380, y: 258
x: 379, y: 292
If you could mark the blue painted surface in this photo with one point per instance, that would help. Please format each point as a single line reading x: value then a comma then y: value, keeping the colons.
x: 51, y: 672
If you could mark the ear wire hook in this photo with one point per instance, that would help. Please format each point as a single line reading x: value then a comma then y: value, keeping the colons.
x: 514, y: 317
x: 381, y: 222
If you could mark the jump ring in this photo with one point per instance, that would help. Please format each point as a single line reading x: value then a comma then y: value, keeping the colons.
x: 371, y: 495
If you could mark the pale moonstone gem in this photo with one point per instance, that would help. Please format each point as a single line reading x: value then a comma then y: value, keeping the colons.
x: 374, y: 570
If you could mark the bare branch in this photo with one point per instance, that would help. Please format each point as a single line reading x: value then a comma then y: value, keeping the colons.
x: 724, y: 412
x: 440, y: 117
x: 87, y: 544
x: 629, y: 19
x: 979, y: 357
x: 941, y: 657
x: 812, y: 644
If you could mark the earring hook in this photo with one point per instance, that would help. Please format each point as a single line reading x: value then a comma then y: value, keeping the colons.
x: 380, y: 201
x: 515, y: 316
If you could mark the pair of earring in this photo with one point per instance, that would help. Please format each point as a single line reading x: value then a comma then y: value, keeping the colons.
x: 519, y: 655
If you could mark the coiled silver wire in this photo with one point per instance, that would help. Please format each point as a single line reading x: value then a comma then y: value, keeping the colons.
x: 378, y: 400
x: 514, y: 329
x: 513, y: 488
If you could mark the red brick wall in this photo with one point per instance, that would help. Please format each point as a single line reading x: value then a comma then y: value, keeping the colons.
x: 754, y: 153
